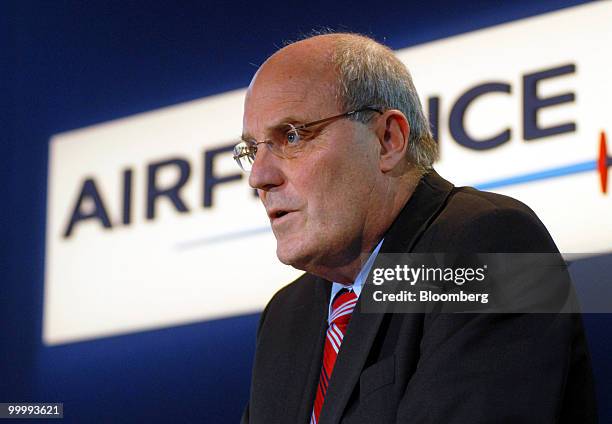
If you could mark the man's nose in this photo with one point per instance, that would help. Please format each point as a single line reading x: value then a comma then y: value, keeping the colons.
x: 265, y: 171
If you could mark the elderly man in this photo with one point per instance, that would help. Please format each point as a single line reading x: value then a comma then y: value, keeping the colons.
x: 341, y: 154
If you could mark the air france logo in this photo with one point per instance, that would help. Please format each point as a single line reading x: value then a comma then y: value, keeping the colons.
x: 91, y: 203
x: 532, y: 130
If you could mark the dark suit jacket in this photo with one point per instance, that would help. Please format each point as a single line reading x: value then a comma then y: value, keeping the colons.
x: 428, y: 368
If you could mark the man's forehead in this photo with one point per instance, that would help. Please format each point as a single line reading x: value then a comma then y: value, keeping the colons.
x: 277, y: 81
x: 295, y: 70
x: 277, y: 94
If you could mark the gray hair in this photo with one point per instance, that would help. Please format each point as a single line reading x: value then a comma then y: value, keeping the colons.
x: 369, y: 74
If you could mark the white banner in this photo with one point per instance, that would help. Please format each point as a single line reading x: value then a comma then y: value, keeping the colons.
x: 151, y: 224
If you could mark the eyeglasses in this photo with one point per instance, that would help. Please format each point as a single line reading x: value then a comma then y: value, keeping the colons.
x: 286, y: 139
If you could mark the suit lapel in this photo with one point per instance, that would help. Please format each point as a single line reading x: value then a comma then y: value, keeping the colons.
x: 422, y: 207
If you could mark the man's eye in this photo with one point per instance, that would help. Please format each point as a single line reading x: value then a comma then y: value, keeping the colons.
x: 293, y: 137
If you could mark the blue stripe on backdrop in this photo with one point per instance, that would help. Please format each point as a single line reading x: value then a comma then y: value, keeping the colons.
x: 73, y: 64
x: 545, y: 174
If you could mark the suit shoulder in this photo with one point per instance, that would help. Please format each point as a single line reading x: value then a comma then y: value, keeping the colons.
x: 472, y: 203
x: 479, y: 221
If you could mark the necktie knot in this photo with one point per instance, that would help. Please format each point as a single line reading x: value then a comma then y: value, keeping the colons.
x: 342, y: 308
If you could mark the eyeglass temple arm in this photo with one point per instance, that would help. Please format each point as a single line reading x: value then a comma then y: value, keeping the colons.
x: 342, y: 115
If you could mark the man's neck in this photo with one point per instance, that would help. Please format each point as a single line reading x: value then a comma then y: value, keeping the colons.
x: 344, y: 270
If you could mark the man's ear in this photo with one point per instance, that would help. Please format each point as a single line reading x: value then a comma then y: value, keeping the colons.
x: 392, y: 130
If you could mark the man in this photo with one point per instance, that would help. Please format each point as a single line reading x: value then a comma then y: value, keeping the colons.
x: 341, y: 154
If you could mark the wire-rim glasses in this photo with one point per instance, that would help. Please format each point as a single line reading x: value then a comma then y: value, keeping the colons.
x: 288, y: 139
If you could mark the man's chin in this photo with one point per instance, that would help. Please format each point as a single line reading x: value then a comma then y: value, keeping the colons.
x: 293, y: 257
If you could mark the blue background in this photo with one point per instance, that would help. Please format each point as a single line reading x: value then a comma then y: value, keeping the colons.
x: 66, y: 65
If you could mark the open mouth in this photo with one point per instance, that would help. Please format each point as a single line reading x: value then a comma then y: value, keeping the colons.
x: 279, y: 214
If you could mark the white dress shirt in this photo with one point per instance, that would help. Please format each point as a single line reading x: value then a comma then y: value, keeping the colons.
x: 358, y: 284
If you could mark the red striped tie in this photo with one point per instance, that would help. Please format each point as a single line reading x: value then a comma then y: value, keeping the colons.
x: 342, y: 308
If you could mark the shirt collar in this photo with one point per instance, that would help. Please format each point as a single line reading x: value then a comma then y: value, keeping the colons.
x: 358, y: 284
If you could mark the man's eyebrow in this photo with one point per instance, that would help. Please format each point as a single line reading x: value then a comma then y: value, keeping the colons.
x: 275, y: 127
